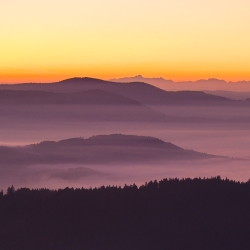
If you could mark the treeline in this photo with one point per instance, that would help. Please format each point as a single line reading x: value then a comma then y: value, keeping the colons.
x: 170, y: 214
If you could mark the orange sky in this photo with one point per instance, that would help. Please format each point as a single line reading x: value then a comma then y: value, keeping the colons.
x: 44, y: 41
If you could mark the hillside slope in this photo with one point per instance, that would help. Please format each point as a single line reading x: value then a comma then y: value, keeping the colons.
x: 102, y: 149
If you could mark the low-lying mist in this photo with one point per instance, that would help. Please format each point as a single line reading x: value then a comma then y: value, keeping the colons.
x: 190, y: 120
x: 56, y: 176
x: 214, y: 138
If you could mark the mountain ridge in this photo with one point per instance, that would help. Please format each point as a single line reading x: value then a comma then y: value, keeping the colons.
x: 143, y: 93
x: 112, y: 139
x: 201, y: 84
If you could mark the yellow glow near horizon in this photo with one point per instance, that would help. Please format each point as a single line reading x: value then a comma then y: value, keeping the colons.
x: 44, y: 41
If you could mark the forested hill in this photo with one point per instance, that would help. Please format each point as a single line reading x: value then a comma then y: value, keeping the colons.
x: 170, y: 214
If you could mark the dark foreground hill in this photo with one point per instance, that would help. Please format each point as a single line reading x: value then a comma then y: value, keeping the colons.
x: 138, y: 91
x: 102, y: 149
x: 170, y: 214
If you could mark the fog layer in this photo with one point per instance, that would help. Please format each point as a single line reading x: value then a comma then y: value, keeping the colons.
x: 53, y: 112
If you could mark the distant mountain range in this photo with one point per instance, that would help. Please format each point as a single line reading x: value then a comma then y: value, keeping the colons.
x: 79, y: 100
x: 235, y: 95
x: 102, y: 149
x: 211, y: 84
x: 140, y: 92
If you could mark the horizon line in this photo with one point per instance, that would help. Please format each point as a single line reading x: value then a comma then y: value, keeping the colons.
x: 123, y: 79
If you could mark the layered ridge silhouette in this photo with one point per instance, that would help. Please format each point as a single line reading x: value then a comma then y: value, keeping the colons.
x: 90, y: 105
x: 211, y: 84
x: 99, y: 100
x: 87, y: 106
x: 138, y: 91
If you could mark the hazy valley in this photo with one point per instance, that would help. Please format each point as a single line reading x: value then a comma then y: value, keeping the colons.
x: 85, y: 107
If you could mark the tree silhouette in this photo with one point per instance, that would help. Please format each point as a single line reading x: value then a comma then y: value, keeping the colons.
x: 10, y: 190
x: 187, y: 214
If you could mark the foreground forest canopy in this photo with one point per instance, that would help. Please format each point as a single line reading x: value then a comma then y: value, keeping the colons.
x: 169, y: 214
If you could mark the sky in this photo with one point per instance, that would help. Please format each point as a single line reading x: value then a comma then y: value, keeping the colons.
x: 50, y: 40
